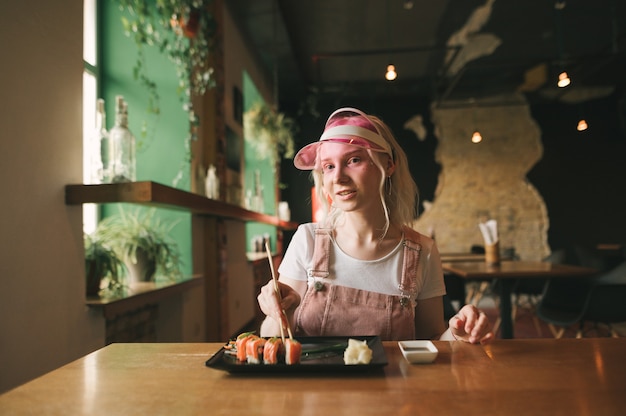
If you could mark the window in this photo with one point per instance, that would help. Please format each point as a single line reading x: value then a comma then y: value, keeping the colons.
x: 90, y: 95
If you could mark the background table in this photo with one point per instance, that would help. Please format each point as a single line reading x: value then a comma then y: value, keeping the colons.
x: 507, y: 377
x: 506, y: 272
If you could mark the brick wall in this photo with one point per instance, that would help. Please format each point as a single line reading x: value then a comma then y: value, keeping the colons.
x: 488, y: 179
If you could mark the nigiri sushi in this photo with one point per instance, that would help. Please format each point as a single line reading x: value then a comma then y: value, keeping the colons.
x: 272, y: 349
x: 293, y: 351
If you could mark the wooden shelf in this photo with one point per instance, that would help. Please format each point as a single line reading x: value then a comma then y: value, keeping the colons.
x: 159, y: 195
x: 140, y: 294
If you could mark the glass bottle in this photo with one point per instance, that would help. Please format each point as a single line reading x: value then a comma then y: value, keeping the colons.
x: 121, y: 166
x: 99, y: 146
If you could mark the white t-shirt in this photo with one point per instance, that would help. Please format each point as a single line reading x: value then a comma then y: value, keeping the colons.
x: 382, y: 275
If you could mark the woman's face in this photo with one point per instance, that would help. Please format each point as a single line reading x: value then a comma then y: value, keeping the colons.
x: 349, y: 176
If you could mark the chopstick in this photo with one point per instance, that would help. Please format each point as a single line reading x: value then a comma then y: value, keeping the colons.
x: 278, y: 296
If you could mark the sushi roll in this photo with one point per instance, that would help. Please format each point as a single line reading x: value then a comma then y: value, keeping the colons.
x: 240, y: 345
x: 293, y: 351
x: 272, y: 349
x: 254, y: 349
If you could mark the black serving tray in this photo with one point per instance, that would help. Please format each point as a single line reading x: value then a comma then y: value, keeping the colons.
x: 319, y: 354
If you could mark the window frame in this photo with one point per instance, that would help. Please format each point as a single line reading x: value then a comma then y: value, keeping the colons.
x: 91, y: 91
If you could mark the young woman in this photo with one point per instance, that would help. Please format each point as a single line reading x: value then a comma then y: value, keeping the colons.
x: 363, y: 270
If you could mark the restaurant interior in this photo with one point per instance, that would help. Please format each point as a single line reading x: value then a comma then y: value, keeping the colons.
x: 555, y: 189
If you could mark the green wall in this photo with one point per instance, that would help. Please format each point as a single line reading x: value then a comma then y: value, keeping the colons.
x: 161, y: 153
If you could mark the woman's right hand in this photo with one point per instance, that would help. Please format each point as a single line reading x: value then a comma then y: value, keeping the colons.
x: 270, y: 305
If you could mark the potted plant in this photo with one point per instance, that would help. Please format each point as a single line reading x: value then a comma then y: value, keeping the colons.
x: 101, y: 262
x: 270, y: 132
x: 143, y: 243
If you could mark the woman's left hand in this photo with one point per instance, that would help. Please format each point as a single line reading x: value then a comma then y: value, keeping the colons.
x: 471, y: 325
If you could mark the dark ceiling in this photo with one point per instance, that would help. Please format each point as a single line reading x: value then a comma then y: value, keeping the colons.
x: 442, y: 49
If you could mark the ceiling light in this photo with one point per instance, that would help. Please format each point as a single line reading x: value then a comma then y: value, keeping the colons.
x: 476, y: 137
x: 391, y: 73
x: 408, y: 4
x: 564, y: 80
x: 582, y: 125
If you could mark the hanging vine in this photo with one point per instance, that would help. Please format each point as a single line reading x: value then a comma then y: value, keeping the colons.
x: 184, y: 31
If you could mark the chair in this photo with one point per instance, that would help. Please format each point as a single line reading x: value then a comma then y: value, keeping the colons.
x: 562, y: 303
x: 476, y: 289
x: 606, y: 305
x: 590, y: 258
x: 527, y: 292
x: 568, y: 302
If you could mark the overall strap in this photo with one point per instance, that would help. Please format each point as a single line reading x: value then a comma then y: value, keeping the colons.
x: 412, y: 249
x: 321, y: 253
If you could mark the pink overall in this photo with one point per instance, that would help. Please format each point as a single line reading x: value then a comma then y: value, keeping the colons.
x: 332, y: 310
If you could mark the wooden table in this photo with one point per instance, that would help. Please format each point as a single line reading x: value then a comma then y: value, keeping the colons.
x: 464, y: 257
x: 507, y: 272
x: 452, y: 257
x: 507, y: 377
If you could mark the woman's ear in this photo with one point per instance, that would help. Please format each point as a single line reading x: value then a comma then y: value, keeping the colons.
x: 391, y: 166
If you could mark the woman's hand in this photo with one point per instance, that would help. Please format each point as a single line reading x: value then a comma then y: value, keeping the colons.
x: 269, y: 304
x: 471, y: 325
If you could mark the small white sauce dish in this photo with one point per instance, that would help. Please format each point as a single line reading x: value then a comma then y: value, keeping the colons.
x: 418, y: 352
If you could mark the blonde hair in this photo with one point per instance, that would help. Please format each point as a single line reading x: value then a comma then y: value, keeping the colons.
x: 398, y: 199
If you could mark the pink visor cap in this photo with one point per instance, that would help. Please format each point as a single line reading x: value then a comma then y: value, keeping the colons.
x: 348, y: 126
